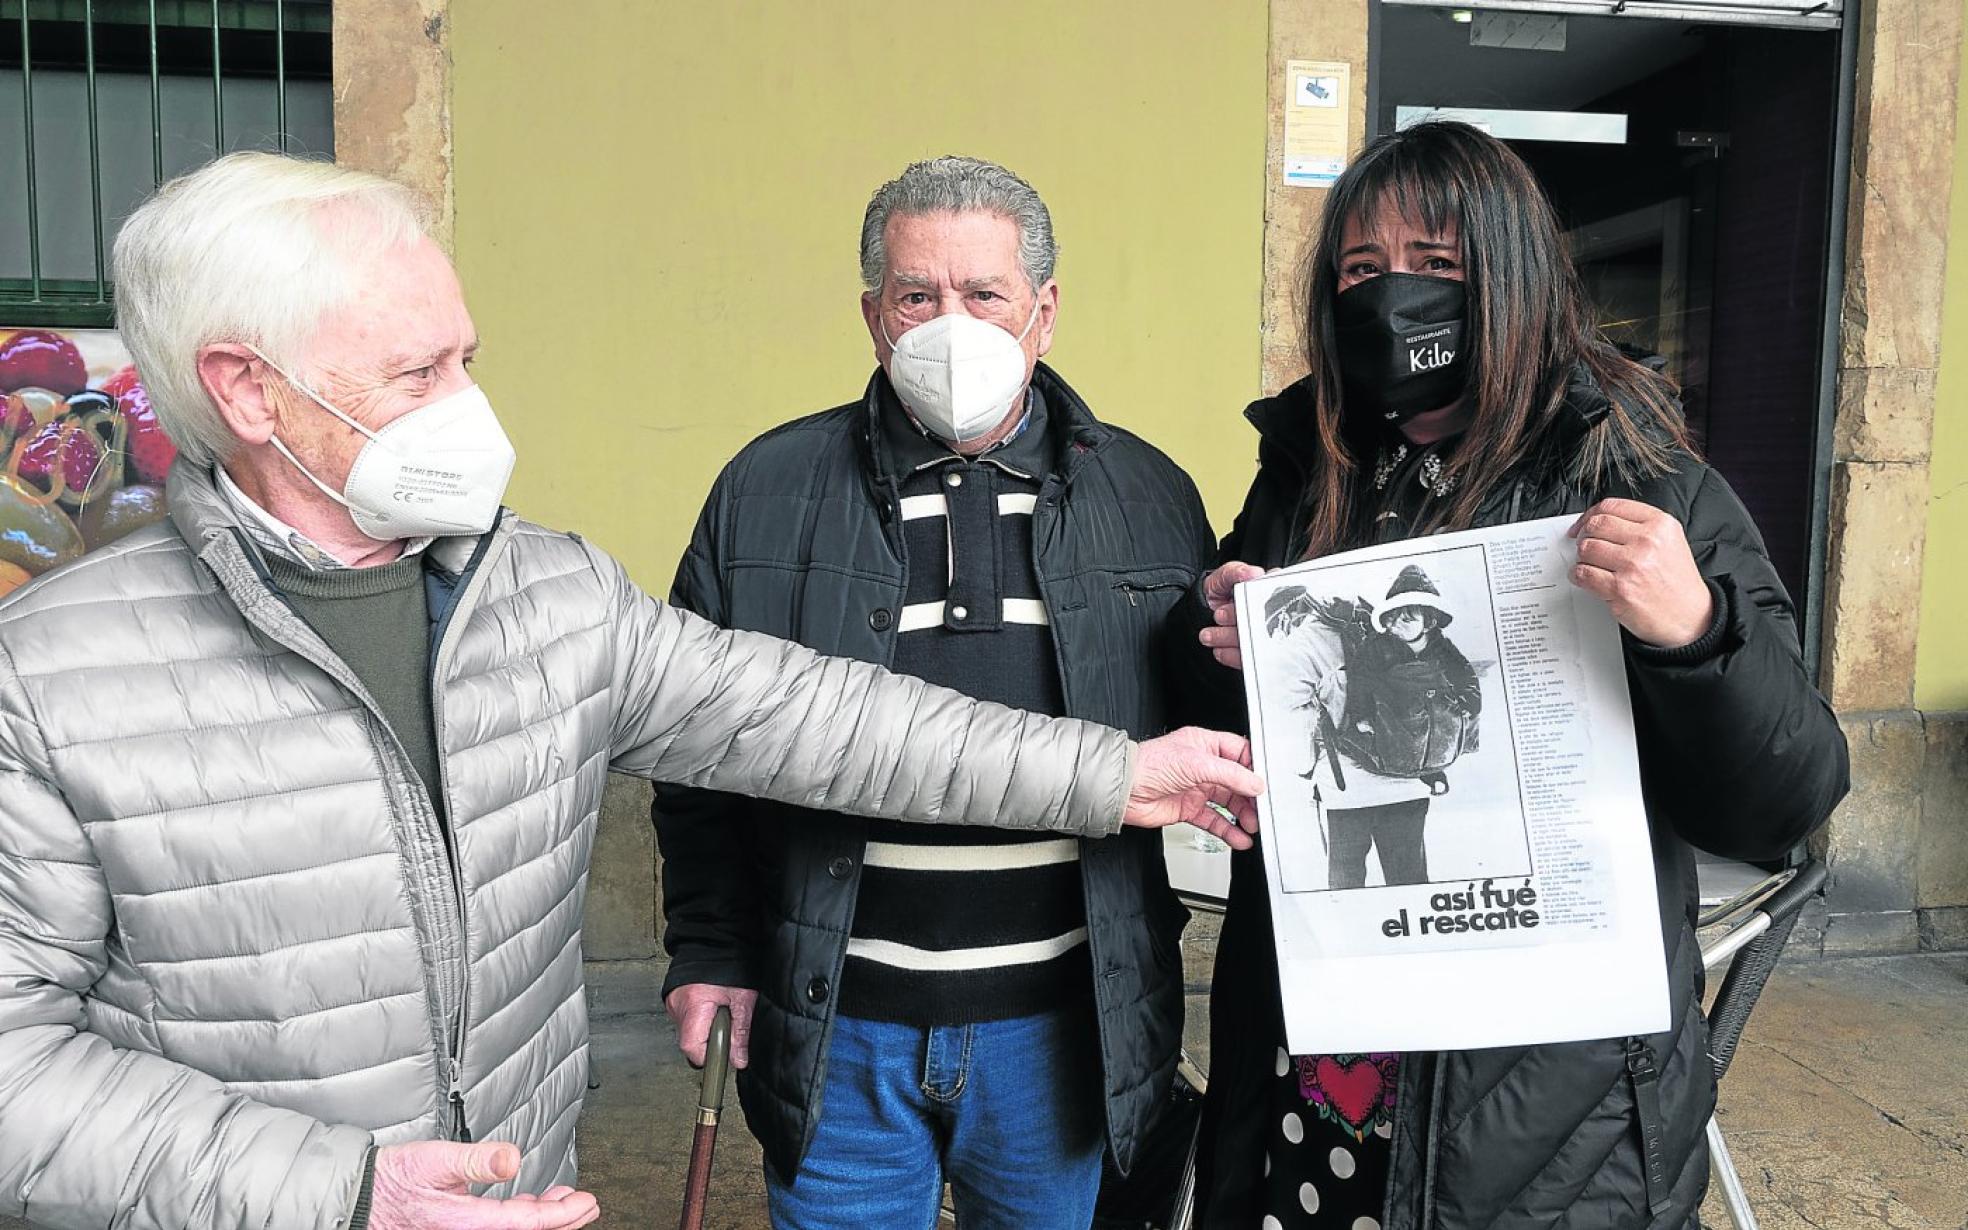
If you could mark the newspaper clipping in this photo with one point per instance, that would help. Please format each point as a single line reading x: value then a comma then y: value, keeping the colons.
x: 1454, y: 836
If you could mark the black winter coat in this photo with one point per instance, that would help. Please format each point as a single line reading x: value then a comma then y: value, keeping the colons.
x: 1738, y: 755
x: 800, y: 538
x: 1409, y: 712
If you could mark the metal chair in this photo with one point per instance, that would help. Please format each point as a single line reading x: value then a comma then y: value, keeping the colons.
x: 1756, y: 923
x: 1190, y: 1076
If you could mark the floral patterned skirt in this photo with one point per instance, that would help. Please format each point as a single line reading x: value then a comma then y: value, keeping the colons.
x: 1331, y: 1126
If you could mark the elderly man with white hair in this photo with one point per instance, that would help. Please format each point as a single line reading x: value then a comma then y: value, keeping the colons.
x: 298, y: 788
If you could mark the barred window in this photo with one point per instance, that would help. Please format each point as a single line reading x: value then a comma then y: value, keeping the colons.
x: 101, y: 100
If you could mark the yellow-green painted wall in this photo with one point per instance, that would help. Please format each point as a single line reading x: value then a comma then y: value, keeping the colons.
x: 1941, y: 670
x: 658, y: 207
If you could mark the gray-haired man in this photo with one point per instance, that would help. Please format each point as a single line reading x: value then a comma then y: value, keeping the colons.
x: 998, y: 1010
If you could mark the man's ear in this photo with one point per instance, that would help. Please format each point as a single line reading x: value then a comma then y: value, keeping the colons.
x: 1048, y: 315
x: 235, y: 379
x: 871, y: 316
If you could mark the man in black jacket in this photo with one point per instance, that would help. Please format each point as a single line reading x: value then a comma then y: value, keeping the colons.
x: 915, y: 1005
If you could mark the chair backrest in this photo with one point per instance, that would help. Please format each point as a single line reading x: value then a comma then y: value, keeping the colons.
x: 1751, y: 969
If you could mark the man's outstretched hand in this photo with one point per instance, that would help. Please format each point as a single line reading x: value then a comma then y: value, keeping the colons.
x: 426, y: 1185
x: 1178, y: 776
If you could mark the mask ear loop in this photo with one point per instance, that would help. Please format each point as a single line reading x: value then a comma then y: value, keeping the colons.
x: 309, y: 393
x: 1030, y: 321
x: 280, y: 446
x: 308, y: 474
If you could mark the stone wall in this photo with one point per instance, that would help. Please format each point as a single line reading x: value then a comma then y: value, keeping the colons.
x: 393, y: 96
x: 1890, y: 341
x: 1300, y: 30
x: 1941, y: 866
x: 624, y: 897
x: 1898, y: 847
x: 1896, y: 850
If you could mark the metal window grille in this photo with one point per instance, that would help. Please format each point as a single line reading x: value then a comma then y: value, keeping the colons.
x: 102, y: 100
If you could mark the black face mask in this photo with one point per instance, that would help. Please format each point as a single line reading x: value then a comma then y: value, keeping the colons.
x: 1400, y: 346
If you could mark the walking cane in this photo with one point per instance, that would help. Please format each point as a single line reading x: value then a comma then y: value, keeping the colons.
x: 697, y: 1180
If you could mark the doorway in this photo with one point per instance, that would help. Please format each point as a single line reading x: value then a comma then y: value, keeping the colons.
x: 1692, y: 162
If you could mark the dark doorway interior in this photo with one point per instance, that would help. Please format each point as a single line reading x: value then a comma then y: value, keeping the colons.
x: 1703, y: 237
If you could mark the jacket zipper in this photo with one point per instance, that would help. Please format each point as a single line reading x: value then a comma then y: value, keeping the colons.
x: 450, y: 1065
x: 455, y: 1076
x: 454, y: 1063
x: 1403, y: 1100
x: 1433, y: 1129
x: 1044, y: 516
x: 1643, y: 1075
x: 1134, y: 589
x: 1048, y: 509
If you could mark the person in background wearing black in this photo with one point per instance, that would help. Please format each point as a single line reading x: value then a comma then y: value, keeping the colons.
x: 1457, y: 380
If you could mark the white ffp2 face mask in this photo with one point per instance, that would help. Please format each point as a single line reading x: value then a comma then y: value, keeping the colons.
x: 439, y: 470
x: 958, y: 374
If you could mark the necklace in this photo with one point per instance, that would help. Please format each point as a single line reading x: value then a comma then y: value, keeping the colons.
x: 1430, y: 476
x: 1384, y: 468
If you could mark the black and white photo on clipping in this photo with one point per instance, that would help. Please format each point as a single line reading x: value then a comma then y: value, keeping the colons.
x: 1386, y: 728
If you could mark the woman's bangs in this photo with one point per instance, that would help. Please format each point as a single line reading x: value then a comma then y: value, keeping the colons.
x: 1422, y: 193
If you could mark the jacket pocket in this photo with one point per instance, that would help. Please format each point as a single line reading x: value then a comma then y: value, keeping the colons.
x: 1140, y: 592
x: 1145, y: 597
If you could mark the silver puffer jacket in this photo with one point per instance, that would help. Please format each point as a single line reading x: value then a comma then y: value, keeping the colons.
x: 236, y: 944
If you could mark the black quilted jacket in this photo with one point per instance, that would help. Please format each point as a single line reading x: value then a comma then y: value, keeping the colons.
x: 800, y: 538
x: 1739, y: 755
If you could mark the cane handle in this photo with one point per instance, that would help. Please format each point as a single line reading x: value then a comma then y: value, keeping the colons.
x: 717, y: 1065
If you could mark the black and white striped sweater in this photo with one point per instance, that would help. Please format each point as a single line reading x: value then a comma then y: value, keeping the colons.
x: 954, y: 925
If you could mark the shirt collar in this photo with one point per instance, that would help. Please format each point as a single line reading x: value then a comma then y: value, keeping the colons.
x: 273, y: 534
x: 1023, y: 453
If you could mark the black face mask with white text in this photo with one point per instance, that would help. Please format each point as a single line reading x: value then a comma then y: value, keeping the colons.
x: 1400, y: 346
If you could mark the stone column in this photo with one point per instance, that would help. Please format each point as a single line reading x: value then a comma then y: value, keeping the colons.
x: 1300, y: 30
x: 1895, y: 259
x: 393, y: 96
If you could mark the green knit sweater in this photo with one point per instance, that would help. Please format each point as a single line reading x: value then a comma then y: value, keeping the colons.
x: 378, y: 621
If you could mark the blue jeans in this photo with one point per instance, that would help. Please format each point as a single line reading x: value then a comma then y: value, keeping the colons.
x: 1008, y: 1112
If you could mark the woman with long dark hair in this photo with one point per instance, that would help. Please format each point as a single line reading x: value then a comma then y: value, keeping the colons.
x: 1457, y: 380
